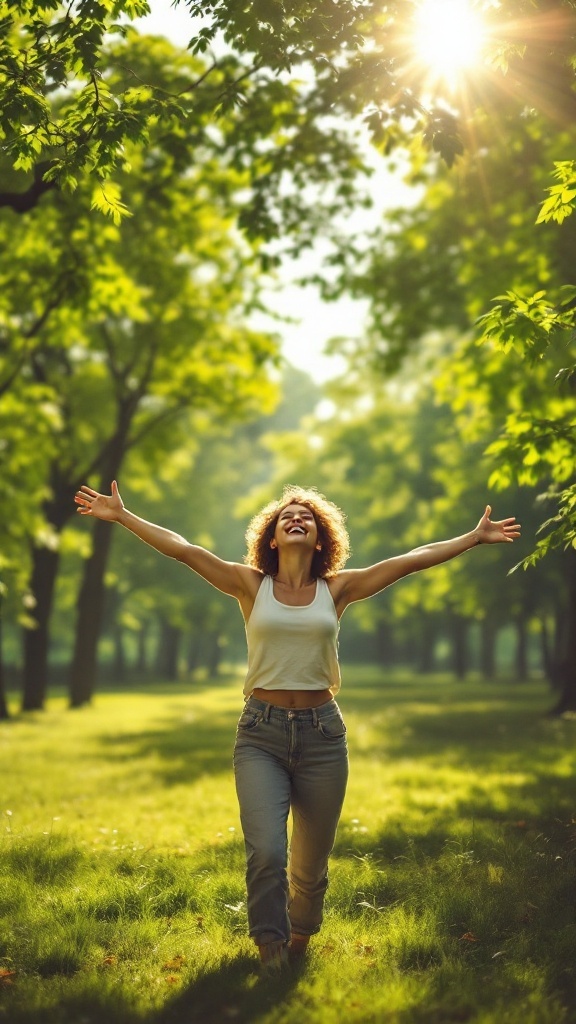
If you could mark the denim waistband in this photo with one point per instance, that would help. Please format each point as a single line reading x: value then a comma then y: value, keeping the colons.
x: 302, y: 714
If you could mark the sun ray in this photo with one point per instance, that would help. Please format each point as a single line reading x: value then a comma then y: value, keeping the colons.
x: 448, y: 40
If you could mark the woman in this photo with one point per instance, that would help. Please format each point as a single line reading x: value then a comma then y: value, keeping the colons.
x: 290, y: 750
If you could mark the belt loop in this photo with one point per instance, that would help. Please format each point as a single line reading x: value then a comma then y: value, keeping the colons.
x: 267, y: 711
x: 314, y: 718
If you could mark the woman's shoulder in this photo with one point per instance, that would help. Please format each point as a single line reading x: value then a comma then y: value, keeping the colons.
x: 251, y: 579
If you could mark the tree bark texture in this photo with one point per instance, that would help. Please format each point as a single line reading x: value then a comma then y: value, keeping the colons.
x: 90, y: 609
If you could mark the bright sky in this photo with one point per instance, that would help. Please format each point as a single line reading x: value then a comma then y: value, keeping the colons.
x: 302, y: 342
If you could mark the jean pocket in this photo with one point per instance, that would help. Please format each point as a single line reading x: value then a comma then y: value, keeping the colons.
x: 249, y: 720
x: 333, y: 728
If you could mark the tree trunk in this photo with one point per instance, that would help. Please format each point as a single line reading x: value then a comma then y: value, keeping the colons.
x: 459, y: 633
x: 4, y: 713
x: 567, y: 665
x: 426, y: 644
x: 168, y: 650
x: 214, y: 653
x: 92, y: 592
x: 546, y: 648
x: 193, y: 654
x: 141, y: 658
x: 559, y: 646
x: 119, y: 653
x: 36, y: 641
x: 90, y: 608
x: 521, y: 657
x: 385, y: 643
x: 45, y: 563
x: 488, y: 635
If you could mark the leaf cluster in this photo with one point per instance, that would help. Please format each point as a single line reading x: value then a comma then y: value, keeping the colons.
x: 117, y: 325
x: 560, y: 203
x: 434, y: 270
x: 60, y: 107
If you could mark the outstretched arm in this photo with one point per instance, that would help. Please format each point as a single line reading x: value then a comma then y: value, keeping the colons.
x: 357, y: 584
x: 229, y: 577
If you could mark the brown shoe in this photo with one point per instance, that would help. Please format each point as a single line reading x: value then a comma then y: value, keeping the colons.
x: 298, y: 945
x: 273, y: 956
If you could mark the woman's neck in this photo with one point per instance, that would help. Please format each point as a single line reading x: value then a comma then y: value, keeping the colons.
x: 295, y: 572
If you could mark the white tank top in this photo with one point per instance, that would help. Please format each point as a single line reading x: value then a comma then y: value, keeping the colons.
x: 292, y: 647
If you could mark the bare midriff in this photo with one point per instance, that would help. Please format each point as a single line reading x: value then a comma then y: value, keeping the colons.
x: 293, y: 698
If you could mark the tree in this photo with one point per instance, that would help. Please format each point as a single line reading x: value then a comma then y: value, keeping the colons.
x: 534, y: 325
x: 67, y: 290
x: 394, y: 459
x: 469, y: 239
x: 145, y: 332
x: 261, y: 115
x: 300, y: 66
x: 26, y: 430
x: 74, y: 99
x: 196, y: 489
x: 543, y: 447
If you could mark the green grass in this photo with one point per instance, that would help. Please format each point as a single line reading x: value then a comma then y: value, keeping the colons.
x: 451, y: 891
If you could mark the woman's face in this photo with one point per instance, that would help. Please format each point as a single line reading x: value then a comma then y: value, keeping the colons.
x: 296, y: 526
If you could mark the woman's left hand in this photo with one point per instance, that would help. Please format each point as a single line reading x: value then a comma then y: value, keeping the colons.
x: 494, y: 533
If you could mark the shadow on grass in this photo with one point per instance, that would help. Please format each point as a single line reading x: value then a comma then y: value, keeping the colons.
x: 184, y: 743
x: 184, y: 750
x: 475, y: 728
x: 232, y: 991
x: 520, y: 781
x: 479, y: 729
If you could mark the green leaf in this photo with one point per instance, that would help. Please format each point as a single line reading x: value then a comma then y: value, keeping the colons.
x: 106, y: 199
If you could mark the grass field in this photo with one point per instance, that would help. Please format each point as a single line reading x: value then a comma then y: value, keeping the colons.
x: 451, y: 891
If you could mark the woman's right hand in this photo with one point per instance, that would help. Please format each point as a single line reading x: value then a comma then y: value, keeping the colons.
x: 101, y: 506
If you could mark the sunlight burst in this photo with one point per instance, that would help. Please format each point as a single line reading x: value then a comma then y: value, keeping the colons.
x: 448, y: 38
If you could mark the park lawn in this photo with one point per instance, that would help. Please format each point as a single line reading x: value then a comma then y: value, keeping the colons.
x: 451, y: 891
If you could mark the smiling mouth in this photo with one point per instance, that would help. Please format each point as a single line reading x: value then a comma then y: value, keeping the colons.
x: 296, y: 529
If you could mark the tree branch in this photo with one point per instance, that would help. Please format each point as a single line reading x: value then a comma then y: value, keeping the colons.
x: 246, y: 74
x: 31, y: 332
x: 154, y: 421
x: 166, y: 92
x: 117, y: 375
x: 21, y: 202
x: 199, y: 81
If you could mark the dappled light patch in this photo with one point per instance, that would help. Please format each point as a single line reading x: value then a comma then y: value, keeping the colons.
x: 452, y: 870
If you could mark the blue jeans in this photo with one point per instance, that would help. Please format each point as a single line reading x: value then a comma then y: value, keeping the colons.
x: 288, y: 759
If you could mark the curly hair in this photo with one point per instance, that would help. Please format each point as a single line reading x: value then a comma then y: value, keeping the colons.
x: 332, y: 532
